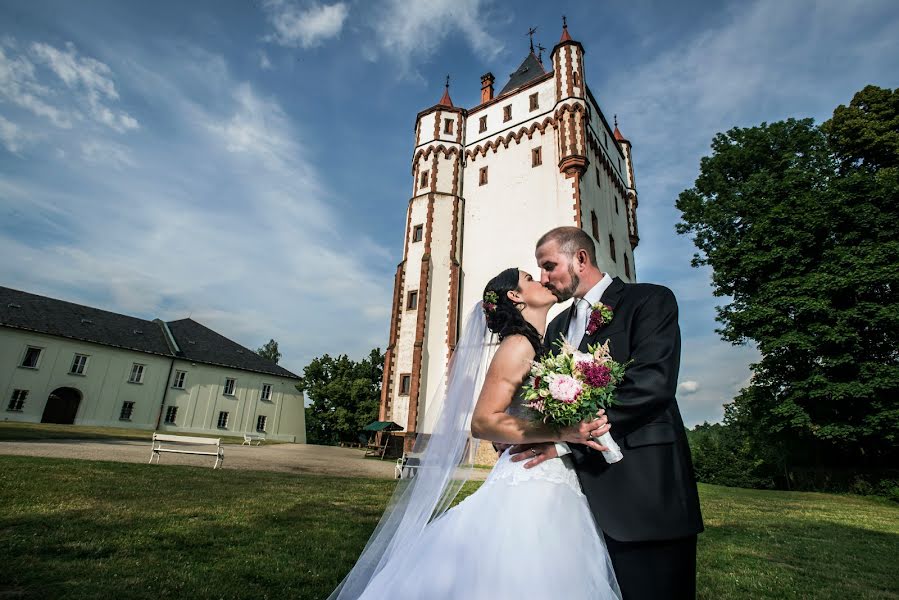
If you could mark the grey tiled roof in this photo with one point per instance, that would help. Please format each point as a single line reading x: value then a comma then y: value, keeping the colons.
x: 530, y: 69
x: 31, y: 312
x: 66, y: 319
x: 201, y: 344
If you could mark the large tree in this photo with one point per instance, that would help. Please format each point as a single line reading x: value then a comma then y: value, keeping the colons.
x: 798, y: 223
x: 344, y: 396
x: 270, y: 351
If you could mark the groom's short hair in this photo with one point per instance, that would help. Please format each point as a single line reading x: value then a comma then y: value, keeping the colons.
x: 570, y: 240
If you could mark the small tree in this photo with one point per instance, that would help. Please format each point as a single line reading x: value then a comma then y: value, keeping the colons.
x: 270, y: 351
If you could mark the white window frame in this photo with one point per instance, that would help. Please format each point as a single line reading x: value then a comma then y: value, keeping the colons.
x: 233, y: 382
x: 261, y: 422
x: 137, y: 373
x: 177, y: 383
x: 266, y: 397
x: 171, y: 414
x: 127, y: 404
x: 37, y: 361
x: 17, y: 400
x: 223, y: 423
x: 78, y: 368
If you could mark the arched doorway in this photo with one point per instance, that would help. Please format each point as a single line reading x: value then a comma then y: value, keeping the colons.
x: 62, y: 405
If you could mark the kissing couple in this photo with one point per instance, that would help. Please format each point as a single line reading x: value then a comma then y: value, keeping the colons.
x: 554, y: 519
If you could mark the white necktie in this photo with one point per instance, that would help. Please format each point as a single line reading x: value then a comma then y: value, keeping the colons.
x: 578, y: 322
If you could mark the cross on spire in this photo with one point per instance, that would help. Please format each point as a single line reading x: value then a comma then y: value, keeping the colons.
x: 540, y: 50
x: 530, y: 34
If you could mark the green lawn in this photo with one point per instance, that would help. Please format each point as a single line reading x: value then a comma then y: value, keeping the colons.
x: 80, y: 529
x: 48, y: 431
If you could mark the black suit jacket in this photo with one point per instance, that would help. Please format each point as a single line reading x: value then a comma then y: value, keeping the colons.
x: 651, y: 493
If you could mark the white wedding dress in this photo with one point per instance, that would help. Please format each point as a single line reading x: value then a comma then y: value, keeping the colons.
x: 524, y: 534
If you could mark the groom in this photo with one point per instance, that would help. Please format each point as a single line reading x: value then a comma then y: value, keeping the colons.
x: 647, y: 504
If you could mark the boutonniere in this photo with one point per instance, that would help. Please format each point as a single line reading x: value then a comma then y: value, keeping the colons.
x: 600, y: 316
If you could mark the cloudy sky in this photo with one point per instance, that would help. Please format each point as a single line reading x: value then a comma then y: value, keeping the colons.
x: 247, y: 163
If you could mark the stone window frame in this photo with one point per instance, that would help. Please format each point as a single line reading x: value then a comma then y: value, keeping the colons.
x: 418, y: 232
x: 507, y: 113
x: 594, y: 222
x: 612, y: 248
x: 423, y: 179
x: 536, y: 156
x: 448, y: 126
x: 482, y: 176
x: 412, y: 300
x: 405, y: 384
x: 482, y: 127
x: 534, y: 101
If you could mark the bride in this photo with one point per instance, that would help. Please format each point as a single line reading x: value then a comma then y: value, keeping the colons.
x: 525, y: 533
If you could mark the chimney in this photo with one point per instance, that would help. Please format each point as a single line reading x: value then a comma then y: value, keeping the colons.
x: 487, y: 87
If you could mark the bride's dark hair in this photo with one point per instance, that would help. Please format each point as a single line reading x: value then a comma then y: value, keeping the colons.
x: 504, y: 316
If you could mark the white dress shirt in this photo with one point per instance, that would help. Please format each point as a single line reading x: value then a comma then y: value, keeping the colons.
x: 578, y: 327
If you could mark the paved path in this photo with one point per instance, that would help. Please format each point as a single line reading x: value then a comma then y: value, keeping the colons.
x: 287, y: 458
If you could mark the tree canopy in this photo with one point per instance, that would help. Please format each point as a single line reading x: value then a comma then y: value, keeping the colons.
x: 344, y: 396
x: 270, y: 351
x: 798, y: 223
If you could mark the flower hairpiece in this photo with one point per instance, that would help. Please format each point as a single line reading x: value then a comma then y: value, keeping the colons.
x: 490, y: 301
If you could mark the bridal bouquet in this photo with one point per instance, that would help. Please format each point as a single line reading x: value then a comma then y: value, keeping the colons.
x: 572, y: 386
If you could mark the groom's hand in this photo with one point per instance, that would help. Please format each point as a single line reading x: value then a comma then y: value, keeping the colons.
x: 537, y: 453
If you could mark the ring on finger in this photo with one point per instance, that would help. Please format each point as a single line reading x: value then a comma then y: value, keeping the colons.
x: 534, y: 452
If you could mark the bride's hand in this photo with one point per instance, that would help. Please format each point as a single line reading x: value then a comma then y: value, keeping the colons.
x: 585, y: 431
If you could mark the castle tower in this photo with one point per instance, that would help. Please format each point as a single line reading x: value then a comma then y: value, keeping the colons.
x: 487, y: 183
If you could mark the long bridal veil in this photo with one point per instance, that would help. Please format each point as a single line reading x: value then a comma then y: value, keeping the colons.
x: 445, y: 462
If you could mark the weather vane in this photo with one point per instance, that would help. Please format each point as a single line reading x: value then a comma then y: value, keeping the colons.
x: 447, y: 82
x: 530, y: 34
x: 540, y: 50
x: 564, y: 22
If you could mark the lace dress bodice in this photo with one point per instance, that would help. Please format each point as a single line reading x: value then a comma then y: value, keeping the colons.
x: 557, y: 470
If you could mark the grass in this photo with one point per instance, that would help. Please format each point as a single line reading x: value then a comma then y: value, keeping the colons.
x: 80, y: 529
x: 47, y: 431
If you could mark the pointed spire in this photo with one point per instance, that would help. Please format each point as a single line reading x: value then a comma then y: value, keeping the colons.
x: 446, y: 100
x: 617, y: 133
x: 565, y: 36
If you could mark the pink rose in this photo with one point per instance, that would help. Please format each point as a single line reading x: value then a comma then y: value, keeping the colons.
x: 565, y: 388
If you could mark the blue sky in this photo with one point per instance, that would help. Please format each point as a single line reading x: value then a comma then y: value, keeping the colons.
x: 247, y: 163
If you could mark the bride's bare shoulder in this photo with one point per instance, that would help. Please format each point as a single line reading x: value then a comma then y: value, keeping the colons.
x: 514, y: 354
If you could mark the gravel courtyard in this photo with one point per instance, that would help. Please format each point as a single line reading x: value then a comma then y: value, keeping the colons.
x: 290, y: 458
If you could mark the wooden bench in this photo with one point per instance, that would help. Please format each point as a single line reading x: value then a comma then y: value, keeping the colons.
x: 406, y: 466
x: 186, y: 440
x: 249, y: 438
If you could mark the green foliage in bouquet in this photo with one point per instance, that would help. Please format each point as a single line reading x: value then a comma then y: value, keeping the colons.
x: 571, y: 386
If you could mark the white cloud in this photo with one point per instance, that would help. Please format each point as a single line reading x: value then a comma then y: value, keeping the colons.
x: 264, y: 62
x: 107, y: 153
x: 11, y: 135
x: 19, y: 86
x: 688, y: 387
x: 224, y: 219
x: 304, y: 27
x: 87, y: 91
x: 410, y: 31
